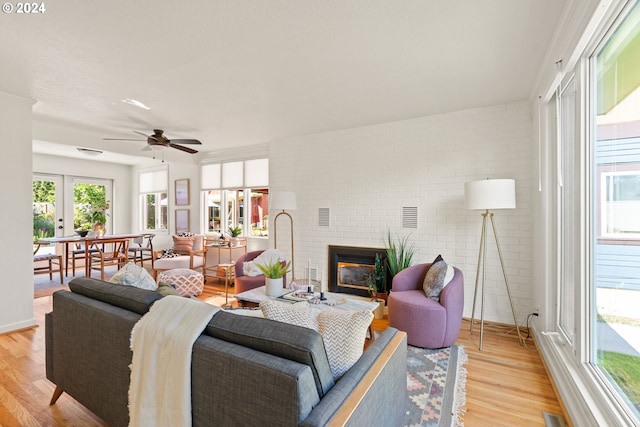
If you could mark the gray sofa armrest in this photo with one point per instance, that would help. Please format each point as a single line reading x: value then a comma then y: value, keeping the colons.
x: 373, y: 391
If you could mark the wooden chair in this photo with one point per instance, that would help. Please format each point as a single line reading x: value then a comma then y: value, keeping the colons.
x: 50, y: 258
x: 108, y: 252
x: 77, y: 253
x: 142, y: 252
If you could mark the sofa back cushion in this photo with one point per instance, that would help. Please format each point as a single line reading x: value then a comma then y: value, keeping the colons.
x: 290, y: 342
x: 127, y: 297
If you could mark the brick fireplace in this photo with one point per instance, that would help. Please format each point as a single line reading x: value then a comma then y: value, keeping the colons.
x: 349, y: 267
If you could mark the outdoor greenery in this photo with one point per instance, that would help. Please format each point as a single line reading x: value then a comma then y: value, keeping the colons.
x: 625, y: 371
x: 91, y: 205
x: 44, y: 194
x: 274, y: 269
x: 399, y: 253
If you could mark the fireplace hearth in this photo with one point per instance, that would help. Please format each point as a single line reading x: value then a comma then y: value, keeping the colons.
x: 350, y: 266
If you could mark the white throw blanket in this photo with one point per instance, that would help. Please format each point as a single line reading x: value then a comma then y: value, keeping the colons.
x: 162, y: 342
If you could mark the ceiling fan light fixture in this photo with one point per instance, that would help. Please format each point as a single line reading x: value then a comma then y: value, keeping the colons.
x: 89, y: 151
x: 135, y: 103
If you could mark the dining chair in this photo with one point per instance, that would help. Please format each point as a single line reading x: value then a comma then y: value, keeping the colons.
x: 108, y: 252
x: 51, y: 260
x: 77, y: 253
x: 142, y: 249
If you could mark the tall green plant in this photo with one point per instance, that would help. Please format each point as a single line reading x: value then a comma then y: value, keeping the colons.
x: 399, y: 253
x: 274, y: 269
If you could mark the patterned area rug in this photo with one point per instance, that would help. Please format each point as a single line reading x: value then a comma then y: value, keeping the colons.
x: 43, y: 287
x: 436, y: 381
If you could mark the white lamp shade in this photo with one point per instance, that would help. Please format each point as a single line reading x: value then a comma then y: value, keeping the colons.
x: 283, y: 201
x: 490, y: 194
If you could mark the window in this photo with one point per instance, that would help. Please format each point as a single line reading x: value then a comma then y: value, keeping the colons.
x: 614, y: 185
x: 153, y: 200
x: 236, y: 194
x: 620, y: 202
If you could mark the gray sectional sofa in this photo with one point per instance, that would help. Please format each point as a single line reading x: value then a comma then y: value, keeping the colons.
x: 246, y: 371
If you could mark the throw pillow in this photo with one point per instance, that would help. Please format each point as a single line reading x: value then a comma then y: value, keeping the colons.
x: 185, y: 234
x: 134, y: 275
x: 343, y: 333
x: 168, y: 253
x: 434, y: 280
x: 295, y: 314
x: 183, y: 245
x: 165, y: 289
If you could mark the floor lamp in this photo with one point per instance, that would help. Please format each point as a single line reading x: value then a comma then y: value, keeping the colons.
x: 484, y: 195
x: 283, y: 201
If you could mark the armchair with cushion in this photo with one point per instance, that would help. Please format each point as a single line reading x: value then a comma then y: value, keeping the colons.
x: 427, y: 322
x: 187, y: 252
x: 244, y: 282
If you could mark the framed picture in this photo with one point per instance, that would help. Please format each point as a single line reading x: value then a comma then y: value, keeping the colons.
x: 182, y: 220
x: 182, y: 192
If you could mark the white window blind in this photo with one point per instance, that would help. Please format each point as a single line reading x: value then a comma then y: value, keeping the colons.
x: 256, y: 173
x: 210, y: 176
x: 153, y: 181
x: 232, y: 175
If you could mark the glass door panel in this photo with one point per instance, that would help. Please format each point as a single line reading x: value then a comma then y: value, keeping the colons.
x: 47, y: 208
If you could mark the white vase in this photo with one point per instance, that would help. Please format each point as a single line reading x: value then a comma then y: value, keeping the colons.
x: 274, y: 287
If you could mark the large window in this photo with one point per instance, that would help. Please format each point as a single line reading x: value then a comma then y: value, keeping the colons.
x: 153, y: 200
x: 614, y: 184
x: 236, y: 194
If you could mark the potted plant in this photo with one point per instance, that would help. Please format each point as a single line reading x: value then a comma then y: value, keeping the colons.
x: 399, y: 254
x: 234, y: 232
x: 376, y: 282
x: 99, y: 217
x: 274, y: 271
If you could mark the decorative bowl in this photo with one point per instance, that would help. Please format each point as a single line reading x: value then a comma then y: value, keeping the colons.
x: 82, y: 233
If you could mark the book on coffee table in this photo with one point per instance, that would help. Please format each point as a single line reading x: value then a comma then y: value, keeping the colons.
x: 297, y: 296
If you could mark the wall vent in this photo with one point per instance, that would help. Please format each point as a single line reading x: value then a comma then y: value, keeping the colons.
x: 410, y: 217
x: 323, y: 217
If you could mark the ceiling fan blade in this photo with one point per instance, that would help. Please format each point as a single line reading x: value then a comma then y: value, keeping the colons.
x: 186, y: 141
x: 121, y: 139
x: 140, y: 133
x: 185, y: 149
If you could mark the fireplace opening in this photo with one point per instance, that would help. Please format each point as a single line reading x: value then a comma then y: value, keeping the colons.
x: 350, y: 266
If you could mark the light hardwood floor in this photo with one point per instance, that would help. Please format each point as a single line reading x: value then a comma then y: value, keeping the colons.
x: 506, y: 383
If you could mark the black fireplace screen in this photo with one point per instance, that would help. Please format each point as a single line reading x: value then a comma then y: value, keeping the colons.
x: 349, y: 267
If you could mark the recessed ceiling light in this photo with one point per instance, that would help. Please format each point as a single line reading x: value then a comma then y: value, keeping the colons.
x: 89, y: 151
x: 135, y: 103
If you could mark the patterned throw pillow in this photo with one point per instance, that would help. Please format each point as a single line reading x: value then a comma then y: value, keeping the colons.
x: 183, y: 245
x: 343, y: 332
x: 295, y: 314
x: 434, y: 280
x: 134, y: 275
x: 185, y: 234
x: 168, y: 253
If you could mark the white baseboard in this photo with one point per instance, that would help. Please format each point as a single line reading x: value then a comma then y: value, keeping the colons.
x: 13, y: 327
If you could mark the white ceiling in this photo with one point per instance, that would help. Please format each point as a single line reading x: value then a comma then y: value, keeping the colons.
x: 241, y: 72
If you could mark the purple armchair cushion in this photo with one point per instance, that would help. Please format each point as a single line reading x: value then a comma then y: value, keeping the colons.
x: 434, y: 280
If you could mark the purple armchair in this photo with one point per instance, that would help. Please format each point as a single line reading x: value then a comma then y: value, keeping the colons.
x: 246, y: 283
x: 428, y: 323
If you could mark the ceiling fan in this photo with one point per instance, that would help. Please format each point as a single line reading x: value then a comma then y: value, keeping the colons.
x: 158, y: 140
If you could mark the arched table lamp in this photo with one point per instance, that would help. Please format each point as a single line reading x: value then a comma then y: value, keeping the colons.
x: 283, y: 201
x: 484, y: 195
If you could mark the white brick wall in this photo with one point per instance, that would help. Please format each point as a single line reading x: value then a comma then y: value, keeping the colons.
x: 366, y: 175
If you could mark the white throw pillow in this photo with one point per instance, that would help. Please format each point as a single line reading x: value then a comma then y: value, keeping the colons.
x: 134, y: 275
x: 448, y: 277
x: 343, y: 332
x: 249, y: 268
x: 296, y: 314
